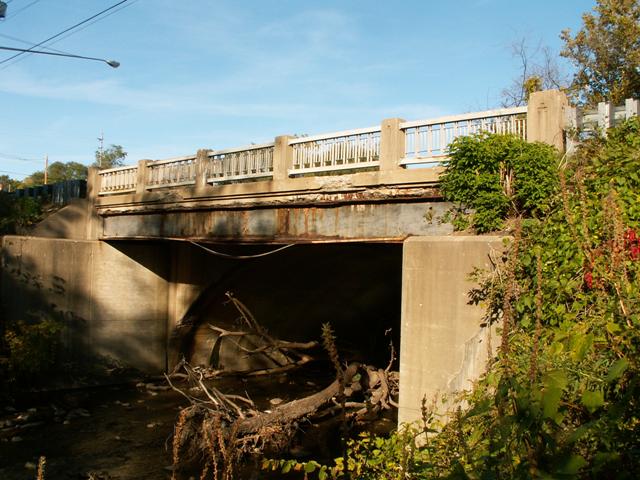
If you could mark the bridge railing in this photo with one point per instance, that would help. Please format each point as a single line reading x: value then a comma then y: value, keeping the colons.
x: 118, y: 180
x: 335, y: 152
x: 391, y: 147
x: 173, y: 172
x: 427, y: 141
x: 245, y: 163
x: 606, y: 115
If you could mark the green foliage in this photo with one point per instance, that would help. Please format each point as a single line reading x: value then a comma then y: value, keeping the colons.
x: 561, y: 399
x: 606, y: 53
x: 112, y: 156
x: 58, y: 172
x: 497, y: 175
x: 8, y: 184
x: 33, y: 350
x: 18, y: 214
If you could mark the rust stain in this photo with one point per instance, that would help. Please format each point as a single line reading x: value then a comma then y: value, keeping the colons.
x: 283, y: 221
x: 306, y: 221
x: 244, y: 222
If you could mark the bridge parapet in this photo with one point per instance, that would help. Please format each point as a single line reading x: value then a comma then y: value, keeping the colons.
x: 395, y: 145
x: 396, y: 154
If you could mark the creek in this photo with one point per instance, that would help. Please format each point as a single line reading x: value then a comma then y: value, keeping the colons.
x: 124, y: 431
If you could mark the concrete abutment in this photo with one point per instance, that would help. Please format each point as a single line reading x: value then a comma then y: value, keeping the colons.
x: 130, y: 295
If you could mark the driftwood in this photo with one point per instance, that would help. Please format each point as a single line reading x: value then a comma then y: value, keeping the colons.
x: 281, y: 355
x: 292, y: 411
x: 219, y: 429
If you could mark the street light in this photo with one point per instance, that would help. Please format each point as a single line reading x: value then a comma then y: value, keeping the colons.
x: 111, y: 63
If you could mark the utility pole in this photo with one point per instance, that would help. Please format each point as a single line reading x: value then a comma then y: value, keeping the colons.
x: 101, y: 138
x: 46, y: 168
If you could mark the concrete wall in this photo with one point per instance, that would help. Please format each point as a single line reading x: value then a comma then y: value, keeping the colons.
x: 72, y: 221
x: 442, y: 345
x: 113, y: 300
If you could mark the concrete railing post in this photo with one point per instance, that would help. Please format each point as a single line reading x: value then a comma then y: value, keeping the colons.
x: 391, y: 144
x: 141, y: 180
x: 93, y: 223
x: 546, y: 118
x: 93, y: 184
x: 282, y: 157
x: 202, y: 157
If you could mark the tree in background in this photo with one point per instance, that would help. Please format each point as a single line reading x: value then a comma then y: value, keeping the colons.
x: 110, y: 157
x: 606, y: 53
x: 58, y: 172
x: 539, y: 70
x: 8, y: 184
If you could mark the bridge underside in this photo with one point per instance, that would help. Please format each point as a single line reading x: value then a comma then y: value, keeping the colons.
x: 386, y: 222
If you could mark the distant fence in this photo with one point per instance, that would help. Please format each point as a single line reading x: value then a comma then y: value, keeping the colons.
x: 59, y: 193
x: 605, y: 116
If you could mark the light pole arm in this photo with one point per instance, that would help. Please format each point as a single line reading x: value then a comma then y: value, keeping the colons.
x: 111, y: 63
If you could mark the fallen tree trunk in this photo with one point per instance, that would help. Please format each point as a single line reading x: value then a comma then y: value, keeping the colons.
x: 292, y: 411
x: 217, y: 430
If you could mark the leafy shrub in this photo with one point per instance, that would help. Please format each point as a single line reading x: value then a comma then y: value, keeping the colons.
x: 497, y: 175
x: 32, y: 350
x: 561, y: 398
x: 17, y: 214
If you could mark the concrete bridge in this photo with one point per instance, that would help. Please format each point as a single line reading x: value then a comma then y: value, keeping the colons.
x: 357, y: 185
x: 125, y: 268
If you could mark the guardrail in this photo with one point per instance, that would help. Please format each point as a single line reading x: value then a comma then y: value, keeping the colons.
x: 334, y: 152
x: 246, y: 163
x: 605, y: 116
x: 394, y: 145
x: 174, y: 172
x: 426, y: 141
x: 118, y: 180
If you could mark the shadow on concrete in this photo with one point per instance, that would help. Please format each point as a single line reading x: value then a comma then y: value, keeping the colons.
x: 354, y: 286
x: 44, y: 279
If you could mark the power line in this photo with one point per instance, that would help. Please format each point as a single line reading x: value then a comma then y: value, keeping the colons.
x: 66, y: 30
x: 131, y: 2
x: 27, y: 42
x: 15, y: 173
x: 9, y: 156
x: 239, y: 257
x: 11, y: 15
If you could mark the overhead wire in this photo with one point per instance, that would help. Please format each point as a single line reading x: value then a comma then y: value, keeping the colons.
x: 14, y: 173
x: 64, y: 31
x: 27, y: 42
x: 130, y: 3
x: 9, y: 156
x: 240, y: 257
x: 13, y: 14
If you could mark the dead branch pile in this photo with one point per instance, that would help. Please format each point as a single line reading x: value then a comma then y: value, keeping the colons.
x: 219, y: 429
x: 252, y: 341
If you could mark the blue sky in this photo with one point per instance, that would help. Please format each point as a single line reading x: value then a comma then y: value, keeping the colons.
x: 218, y: 74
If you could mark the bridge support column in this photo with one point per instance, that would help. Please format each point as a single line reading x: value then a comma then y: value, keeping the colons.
x: 442, y: 345
x: 546, y: 118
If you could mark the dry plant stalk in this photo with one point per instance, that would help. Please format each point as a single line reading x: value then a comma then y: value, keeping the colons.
x: 41, y: 467
x: 510, y: 291
x: 533, y: 370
